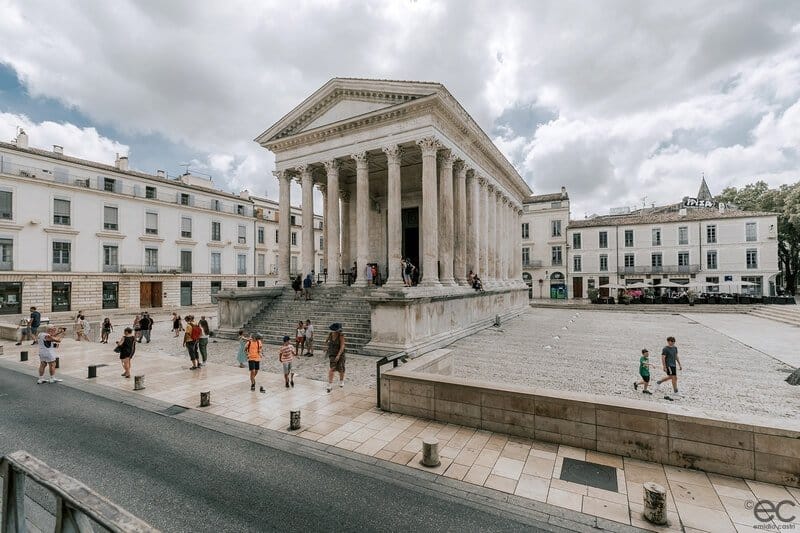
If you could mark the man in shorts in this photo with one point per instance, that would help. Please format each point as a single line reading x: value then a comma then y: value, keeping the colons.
x: 253, y: 351
x: 669, y: 360
x: 286, y: 355
x: 31, y: 330
x: 309, y: 344
x: 48, y: 342
x: 335, y: 350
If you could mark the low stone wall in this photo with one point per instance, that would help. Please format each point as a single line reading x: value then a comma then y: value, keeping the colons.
x: 743, y: 448
x: 418, y: 320
x: 237, y: 306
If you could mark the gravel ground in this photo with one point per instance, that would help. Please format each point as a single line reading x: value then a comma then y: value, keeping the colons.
x: 598, y: 353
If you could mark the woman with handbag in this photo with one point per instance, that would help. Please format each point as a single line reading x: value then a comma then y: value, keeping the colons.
x: 126, y: 347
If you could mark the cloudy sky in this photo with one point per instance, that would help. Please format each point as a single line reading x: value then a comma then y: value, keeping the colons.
x: 617, y: 101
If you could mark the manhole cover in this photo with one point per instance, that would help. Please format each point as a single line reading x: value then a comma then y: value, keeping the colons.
x: 592, y: 474
x: 173, y: 410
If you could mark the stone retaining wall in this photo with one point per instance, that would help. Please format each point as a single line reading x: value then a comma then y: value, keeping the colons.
x: 744, y: 448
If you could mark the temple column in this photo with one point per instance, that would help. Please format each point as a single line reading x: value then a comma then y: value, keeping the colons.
x: 347, y: 254
x: 491, y: 233
x: 515, y: 232
x: 324, y: 190
x: 429, y: 230
x: 503, y: 242
x: 394, y: 239
x: 307, y: 186
x: 518, y: 262
x: 484, y: 229
x: 333, y: 254
x: 460, y: 224
x: 498, y: 234
x: 446, y: 160
x: 472, y: 221
x: 362, y: 216
x: 284, y: 239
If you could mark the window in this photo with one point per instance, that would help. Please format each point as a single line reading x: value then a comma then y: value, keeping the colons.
x: 526, y: 230
x: 184, y: 199
x: 242, y: 234
x: 630, y: 262
x: 110, y: 259
x: 217, y: 205
x: 292, y: 220
x: 752, y: 258
x: 555, y: 205
x: 321, y: 243
x: 151, y: 223
x: 186, y: 227
x: 628, y: 238
x: 110, y: 295
x: 241, y: 284
x: 61, y: 212
x: 603, y: 263
x: 61, y: 296
x: 555, y: 227
x: 61, y: 256
x: 683, y: 235
x: 576, y: 263
x: 10, y: 298
x: 555, y: 255
x: 260, y: 235
x: 293, y: 265
x: 6, y: 205
x: 110, y: 218
x: 108, y: 184
x: 711, y: 259
x: 294, y: 238
x: 757, y: 287
x: 526, y: 256
x: 602, y: 239
x: 6, y: 256
x: 216, y: 286
x: 186, y: 293
x: 683, y: 259
x: 239, y: 209
x: 713, y: 284
x: 750, y: 232
x: 576, y: 241
x: 150, y: 192
x: 216, y: 263
x: 216, y: 231
x: 261, y: 265
x: 656, y: 236
x: 151, y: 259
x: 656, y: 261
x: 711, y: 233
x: 277, y: 236
x: 186, y: 261
x: 241, y: 264
x: 261, y: 283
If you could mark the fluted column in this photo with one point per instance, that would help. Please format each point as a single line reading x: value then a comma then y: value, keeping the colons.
x: 307, y: 217
x: 394, y: 223
x: 491, y: 233
x: 497, y: 234
x: 332, y: 253
x: 347, y: 254
x: 504, y: 237
x: 460, y: 224
x: 324, y: 190
x: 518, y: 261
x: 362, y: 216
x: 284, y: 242
x: 446, y: 160
x: 472, y: 222
x: 429, y: 230
x: 514, y: 232
x: 484, y: 229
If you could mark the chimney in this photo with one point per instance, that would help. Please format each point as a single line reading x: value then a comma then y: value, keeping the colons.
x: 122, y: 162
x: 563, y: 192
x: 58, y: 149
x: 244, y: 195
x: 682, y: 212
x: 22, y: 139
x: 161, y: 174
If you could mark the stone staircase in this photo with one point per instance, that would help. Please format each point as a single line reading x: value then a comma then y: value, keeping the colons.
x: 342, y: 304
x: 788, y: 314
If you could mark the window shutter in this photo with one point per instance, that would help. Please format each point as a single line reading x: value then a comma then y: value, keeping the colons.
x: 137, y: 191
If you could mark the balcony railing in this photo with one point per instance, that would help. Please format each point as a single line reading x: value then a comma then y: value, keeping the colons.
x: 666, y: 269
x: 149, y: 269
x: 532, y: 263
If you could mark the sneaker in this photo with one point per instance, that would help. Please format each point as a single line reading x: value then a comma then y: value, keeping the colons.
x: 18, y: 344
x: 262, y: 390
x: 253, y: 386
x: 291, y: 380
x: 55, y: 380
x: 40, y: 381
x: 647, y: 392
x: 341, y: 384
x: 635, y: 385
x: 328, y: 388
x: 287, y: 384
x: 668, y: 398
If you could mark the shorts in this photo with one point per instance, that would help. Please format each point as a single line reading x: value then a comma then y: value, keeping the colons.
x: 254, y: 365
x: 672, y: 371
x: 646, y: 378
x: 287, y: 367
x: 35, y: 331
x: 337, y: 365
x: 46, y: 357
x: 300, y: 338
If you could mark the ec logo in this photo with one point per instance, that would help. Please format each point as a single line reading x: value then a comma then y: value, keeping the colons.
x: 766, y: 510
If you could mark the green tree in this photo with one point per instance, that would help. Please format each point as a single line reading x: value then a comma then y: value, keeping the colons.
x: 785, y: 201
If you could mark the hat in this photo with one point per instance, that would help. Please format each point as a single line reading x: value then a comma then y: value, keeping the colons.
x: 257, y: 336
x: 335, y: 327
x: 285, y: 338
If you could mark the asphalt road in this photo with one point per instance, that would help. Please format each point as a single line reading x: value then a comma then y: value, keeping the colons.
x: 182, y: 477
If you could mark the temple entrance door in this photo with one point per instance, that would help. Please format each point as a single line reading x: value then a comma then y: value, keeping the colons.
x: 410, y: 216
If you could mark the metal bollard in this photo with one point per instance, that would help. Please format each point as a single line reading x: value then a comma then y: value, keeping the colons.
x: 655, y: 503
x: 92, y: 371
x: 430, y: 453
x: 58, y: 362
x: 205, y: 399
x: 294, y: 420
x: 138, y: 382
x: 23, y: 356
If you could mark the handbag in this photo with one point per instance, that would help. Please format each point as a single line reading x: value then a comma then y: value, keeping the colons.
x: 118, y: 349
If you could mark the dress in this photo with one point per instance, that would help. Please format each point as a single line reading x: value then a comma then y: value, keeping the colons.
x: 127, y: 348
x: 333, y: 350
x: 241, y: 355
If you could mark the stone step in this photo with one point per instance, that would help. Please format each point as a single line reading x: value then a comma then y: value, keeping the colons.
x: 793, y: 320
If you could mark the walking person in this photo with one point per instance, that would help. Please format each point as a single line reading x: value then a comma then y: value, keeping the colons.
x: 126, y: 347
x: 202, y: 342
x: 644, y: 372
x: 48, y: 342
x: 80, y: 329
x: 368, y: 274
x: 307, y: 283
x: 176, y: 324
x: 297, y: 285
x: 669, y: 360
x: 254, y: 348
x: 105, y: 330
x: 137, y: 327
x: 87, y: 328
x: 309, y: 339
x: 335, y: 350
x: 300, y: 337
x: 190, y: 337
x: 145, y: 327
x: 286, y: 355
x: 24, y: 331
x: 241, y: 355
x: 33, y: 326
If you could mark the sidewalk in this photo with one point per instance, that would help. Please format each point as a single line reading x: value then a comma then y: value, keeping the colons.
x: 347, y: 418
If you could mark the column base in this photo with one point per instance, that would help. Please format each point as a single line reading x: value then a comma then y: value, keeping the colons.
x: 430, y: 283
x: 359, y: 283
x: 448, y: 282
x: 394, y: 284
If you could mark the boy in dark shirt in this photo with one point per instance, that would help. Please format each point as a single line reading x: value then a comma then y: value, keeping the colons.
x: 670, y: 363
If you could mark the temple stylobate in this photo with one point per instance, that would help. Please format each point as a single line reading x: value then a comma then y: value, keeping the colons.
x: 404, y: 172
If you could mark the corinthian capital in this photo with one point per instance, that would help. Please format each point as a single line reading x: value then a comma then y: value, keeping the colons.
x: 345, y: 196
x: 446, y: 158
x: 393, y: 154
x: 362, y: 159
x: 331, y: 166
x: 281, y: 174
x: 460, y: 168
x: 429, y: 146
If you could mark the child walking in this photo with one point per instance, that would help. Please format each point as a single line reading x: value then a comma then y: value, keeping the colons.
x: 300, y: 337
x: 105, y: 330
x: 253, y: 348
x: 644, y: 372
x: 286, y: 356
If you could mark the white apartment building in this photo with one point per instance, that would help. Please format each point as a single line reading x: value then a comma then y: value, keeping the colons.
x: 78, y: 234
x: 545, y: 218
x: 679, y: 243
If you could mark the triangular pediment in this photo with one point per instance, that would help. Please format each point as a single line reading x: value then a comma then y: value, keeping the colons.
x: 345, y: 98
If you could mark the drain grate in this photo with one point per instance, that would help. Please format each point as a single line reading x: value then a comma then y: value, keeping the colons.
x: 173, y: 410
x: 592, y: 474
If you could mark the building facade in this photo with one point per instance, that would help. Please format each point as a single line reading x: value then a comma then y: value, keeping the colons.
x: 545, y: 218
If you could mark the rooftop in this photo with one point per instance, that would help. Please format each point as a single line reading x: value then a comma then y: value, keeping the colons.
x: 543, y: 198
x: 668, y: 213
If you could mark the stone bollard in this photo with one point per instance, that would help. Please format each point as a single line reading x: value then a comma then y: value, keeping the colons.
x: 23, y: 356
x: 430, y: 453
x: 92, y: 371
x: 138, y: 382
x: 294, y: 420
x: 205, y: 399
x: 58, y: 362
x: 655, y: 503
